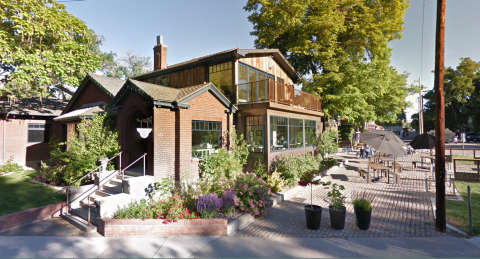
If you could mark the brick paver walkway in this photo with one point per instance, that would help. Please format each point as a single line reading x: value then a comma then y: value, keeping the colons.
x: 404, y: 210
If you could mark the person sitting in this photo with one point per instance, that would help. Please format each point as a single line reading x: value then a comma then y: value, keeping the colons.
x: 282, y: 142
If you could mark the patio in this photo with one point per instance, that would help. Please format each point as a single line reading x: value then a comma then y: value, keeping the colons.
x: 403, y: 210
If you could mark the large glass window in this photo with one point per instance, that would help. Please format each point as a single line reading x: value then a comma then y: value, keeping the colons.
x: 310, y: 133
x: 38, y: 133
x: 252, y: 84
x: 254, y: 133
x: 221, y: 76
x: 296, y: 132
x: 278, y: 133
x: 206, y: 138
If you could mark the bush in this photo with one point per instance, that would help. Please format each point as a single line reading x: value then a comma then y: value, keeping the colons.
x: 50, y: 175
x: 260, y: 169
x: 252, y: 193
x: 217, y: 185
x: 93, y: 141
x: 170, y: 209
x: 337, y: 200
x: 328, y: 143
x: 208, y: 205
x: 329, y: 162
x: 362, y: 204
x: 276, y: 182
x: 161, y: 189
x: 291, y: 167
x: 228, y: 200
x: 11, y: 167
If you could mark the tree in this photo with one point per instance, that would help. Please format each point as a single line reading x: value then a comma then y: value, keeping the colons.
x: 43, y: 48
x: 341, y: 45
x: 129, y: 65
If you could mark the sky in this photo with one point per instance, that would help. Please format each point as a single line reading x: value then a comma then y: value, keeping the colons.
x: 193, y: 29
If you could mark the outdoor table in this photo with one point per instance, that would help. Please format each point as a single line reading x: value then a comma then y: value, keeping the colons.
x: 388, y: 160
x: 376, y: 167
x: 427, y: 157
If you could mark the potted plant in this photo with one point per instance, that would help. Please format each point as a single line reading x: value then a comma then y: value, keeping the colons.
x: 363, y: 211
x: 313, y: 213
x: 337, y: 208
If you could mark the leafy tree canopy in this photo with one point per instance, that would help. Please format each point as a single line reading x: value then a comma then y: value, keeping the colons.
x: 43, y: 48
x: 342, y: 47
x: 129, y: 65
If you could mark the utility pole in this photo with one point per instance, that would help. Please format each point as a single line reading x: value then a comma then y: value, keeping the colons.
x: 441, y: 222
x: 420, y: 108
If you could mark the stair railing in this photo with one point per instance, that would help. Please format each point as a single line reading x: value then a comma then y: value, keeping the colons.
x: 66, y: 188
x: 110, y: 176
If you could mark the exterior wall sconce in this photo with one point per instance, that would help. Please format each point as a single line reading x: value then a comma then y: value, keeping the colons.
x: 144, y: 132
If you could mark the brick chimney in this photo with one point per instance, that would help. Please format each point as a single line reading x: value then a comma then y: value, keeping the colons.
x: 159, y: 54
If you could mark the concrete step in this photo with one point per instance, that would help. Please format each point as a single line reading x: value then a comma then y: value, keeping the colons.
x: 92, y: 206
x: 113, y: 188
x: 104, y: 193
x: 125, y: 177
x: 83, y: 213
x: 80, y: 223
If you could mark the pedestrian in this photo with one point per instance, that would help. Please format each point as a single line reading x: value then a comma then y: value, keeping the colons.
x: 367, y: 151
x: 362, y: 152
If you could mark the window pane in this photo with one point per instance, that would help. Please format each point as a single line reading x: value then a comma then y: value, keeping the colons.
x: 221, y: 77
x: 38, y: 133
x: 296, y: 133
x: 278, y: 134
x: 310, y: 133
x: 206, y: 139
x: 254, y: 134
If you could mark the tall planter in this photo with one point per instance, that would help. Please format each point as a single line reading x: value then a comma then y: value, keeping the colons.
x: 337, y: 218
x: 363, y: 218
x: 313, y: 214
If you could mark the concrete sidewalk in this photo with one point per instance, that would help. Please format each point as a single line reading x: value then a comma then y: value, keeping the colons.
x: 245, y: 247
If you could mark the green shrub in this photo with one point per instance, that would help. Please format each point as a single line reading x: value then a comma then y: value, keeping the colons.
x: 161, y: 189
x: 329, y: 162
x: 94, y: 140
x: 215, y: 185
x: 291, y: 167
x: 260, y: 169
x: 170, y: 209
x: 276, y: 182
x: 362, y: 204
x: 337, y: 200
x: 11, y: 167
x: 328, y: 143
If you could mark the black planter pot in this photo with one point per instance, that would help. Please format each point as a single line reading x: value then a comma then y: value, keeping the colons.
x: 337, y: 218
x: 314, y: 216
x: 362, y: 218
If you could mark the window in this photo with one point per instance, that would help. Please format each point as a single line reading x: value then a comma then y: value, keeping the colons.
x: 221, y: 76
x: 206, y: 138
x: 310, y: 133
x: 280, y: 80
x: 252, y: 84
x: 38, y: 133
x: 161, y: 80
x: 254, y: 133
x: 278, y: 133
x: 296, y: 132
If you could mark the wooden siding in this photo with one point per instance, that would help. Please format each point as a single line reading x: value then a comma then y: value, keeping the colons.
x: 267, y: 64
x: 182, y: 78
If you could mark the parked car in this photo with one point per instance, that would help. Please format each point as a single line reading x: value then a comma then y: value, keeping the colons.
x: 472, y: 136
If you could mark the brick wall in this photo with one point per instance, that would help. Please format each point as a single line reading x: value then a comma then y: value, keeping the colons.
x: 90, y: 94
x: 31, y: 215
x: 164, y: 143
x: 153, y: 227
x: 16, y: 145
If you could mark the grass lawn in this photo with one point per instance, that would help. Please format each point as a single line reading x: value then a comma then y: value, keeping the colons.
x: 17, y: 193
x: 463, y: 162
x: 457, y: 211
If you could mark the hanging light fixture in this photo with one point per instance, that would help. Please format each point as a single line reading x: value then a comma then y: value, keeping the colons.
x: 144, y: 132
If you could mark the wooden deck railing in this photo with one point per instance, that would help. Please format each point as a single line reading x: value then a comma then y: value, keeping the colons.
x: 269, y: 90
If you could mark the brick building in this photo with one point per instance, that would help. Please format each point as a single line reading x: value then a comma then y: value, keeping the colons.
x: 195, y: 103
x: 26, y: 128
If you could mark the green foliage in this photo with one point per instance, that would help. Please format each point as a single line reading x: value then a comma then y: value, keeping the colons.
x: 328, y: 143
x: 329, y: 162
x: 276, y: 182
x: 170, y: 209
x: 252, y: 194
x: 362, y: 204
x: 160, y: 190
x: 337, y: 200
x: 226, y: 163
x: 129, y: 65
x: 457, y: 211
x: 43, y: 48
x: 342, y: 46
x: 260, y: 169
x: 216, y: 185
x: 93, y: 141
x: 9, y: 166
x: 291, y: 167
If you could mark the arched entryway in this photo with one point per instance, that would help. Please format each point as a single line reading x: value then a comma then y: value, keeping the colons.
x: 134, y: 146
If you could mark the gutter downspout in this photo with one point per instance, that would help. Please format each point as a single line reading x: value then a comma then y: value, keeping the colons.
x: 4, y: 135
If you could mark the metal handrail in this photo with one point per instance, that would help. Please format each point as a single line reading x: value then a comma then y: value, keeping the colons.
x: 66, y: 187
x: 143, y: 156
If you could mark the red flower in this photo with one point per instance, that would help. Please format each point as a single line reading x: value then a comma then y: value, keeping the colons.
x: 175, y: 221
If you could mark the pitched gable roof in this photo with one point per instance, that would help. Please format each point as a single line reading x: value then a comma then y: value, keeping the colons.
x: 33, y: 106
x: 109, y: 85
x: 171, y: 97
